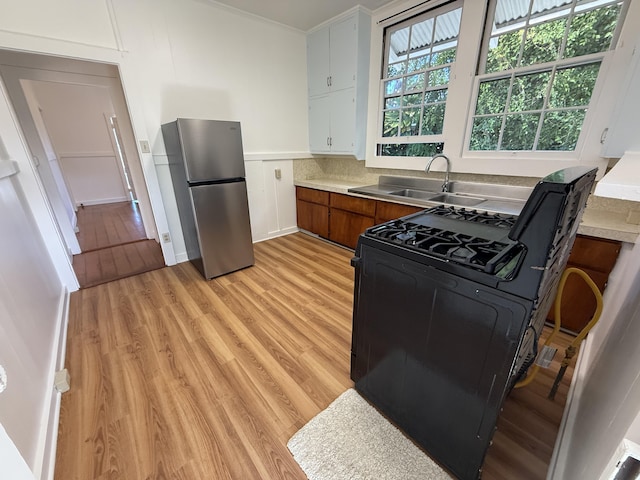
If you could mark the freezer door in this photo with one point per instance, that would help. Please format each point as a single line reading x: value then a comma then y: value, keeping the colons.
x: 211, y: 149
x: 224, y: 232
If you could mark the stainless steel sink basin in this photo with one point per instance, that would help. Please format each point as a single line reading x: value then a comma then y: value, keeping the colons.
x: 453, y: 199
x: 411, y: 193
x: 427, y: 192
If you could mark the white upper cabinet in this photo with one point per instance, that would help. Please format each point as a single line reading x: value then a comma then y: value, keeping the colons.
x: 338, y: 77
x: 623, y: 130
x: 333, y: 50
x: 318, y: 70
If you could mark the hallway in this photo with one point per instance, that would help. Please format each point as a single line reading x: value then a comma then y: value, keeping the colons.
x: 114, y: 244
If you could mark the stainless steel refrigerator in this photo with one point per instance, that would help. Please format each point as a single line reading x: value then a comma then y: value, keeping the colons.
x: 207, y: 171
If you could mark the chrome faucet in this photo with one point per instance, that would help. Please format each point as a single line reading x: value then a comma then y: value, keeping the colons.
x: 445, y: 185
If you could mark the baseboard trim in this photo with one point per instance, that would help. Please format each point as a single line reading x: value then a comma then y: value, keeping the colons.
x: 181, y: 257
x: 102, y: 201
x: 279, y: 233
x: 568, y: 422
x: 51, y: 413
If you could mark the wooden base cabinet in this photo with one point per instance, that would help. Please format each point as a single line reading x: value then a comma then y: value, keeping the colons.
x: 342, y: 218
x: 312, y: 210
x: 349, y: 217
x: 313, y: 218
x: 597, y: 257
x: 386, y: 211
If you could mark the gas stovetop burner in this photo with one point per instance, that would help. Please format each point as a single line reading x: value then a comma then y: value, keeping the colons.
x: 452, y: 240
x: 493, y: 219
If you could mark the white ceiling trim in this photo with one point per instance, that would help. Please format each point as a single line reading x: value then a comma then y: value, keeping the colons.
x: 244, y: 13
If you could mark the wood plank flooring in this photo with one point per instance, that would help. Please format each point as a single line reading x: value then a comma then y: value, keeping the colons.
x: 113, y: 244
x: 108, y: 225
x: 113, y: 263
x: 175, y: 377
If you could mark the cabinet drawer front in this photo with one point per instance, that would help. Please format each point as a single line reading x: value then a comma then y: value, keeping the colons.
x: 386, y: 211
x: 353, y: 204
x: 313, y: 196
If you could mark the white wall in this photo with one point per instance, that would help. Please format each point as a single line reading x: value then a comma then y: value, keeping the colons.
x: 13, y: 465
x: 75, y: 118
x: 606, y: 400
x: 208, y: 62
x: 31, y: 299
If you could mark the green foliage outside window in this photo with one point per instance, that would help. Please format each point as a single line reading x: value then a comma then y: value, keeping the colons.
x: 542, y: 109
x: 418, y: 68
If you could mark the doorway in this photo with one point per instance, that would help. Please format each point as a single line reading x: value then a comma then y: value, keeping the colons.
x: 113, y: 244
x: 76, y: 124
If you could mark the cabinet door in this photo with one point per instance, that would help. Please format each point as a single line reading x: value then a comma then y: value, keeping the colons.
x: 343, y: 121
x: 318, y: 62
x: 319, y: 124
x: 313, y: 218
x: 343, y: 43
x: 346, y: 227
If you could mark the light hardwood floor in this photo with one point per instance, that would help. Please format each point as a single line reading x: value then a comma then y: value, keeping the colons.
x: 109, y: 224
x: 114, y: 244
x: 174, y: 377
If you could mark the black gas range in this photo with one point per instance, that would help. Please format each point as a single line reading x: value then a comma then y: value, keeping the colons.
x: 470, y: 238
x: 449, y: 304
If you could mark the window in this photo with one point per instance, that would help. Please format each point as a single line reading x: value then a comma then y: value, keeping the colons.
x: 538, y: 69
x: 419, y: 55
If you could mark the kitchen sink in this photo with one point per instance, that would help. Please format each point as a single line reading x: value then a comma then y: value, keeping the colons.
x: 411, y: 193
x: 450, y: 198
x: 453, y: 199
x: 428, y: 192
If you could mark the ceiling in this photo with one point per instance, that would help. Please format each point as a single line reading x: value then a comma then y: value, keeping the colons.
x: 300, y: 14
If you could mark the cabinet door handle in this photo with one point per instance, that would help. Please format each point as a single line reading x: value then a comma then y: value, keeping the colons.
x: 328, y: 141
x: 328, y: 81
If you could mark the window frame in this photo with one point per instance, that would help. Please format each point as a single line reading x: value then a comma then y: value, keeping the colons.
x: 462, y: 99
x: 387, y: 32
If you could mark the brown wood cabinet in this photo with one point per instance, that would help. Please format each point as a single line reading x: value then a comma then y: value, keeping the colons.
x: 338, y: 217
x: 386, y: 211
x: 312, y: 210
x: 342, y: 218
x: 349, y: 217
x: 597, y: 257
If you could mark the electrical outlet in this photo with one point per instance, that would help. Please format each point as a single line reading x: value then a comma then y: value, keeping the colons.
x: 166, y: 238
x: 144, y: 146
